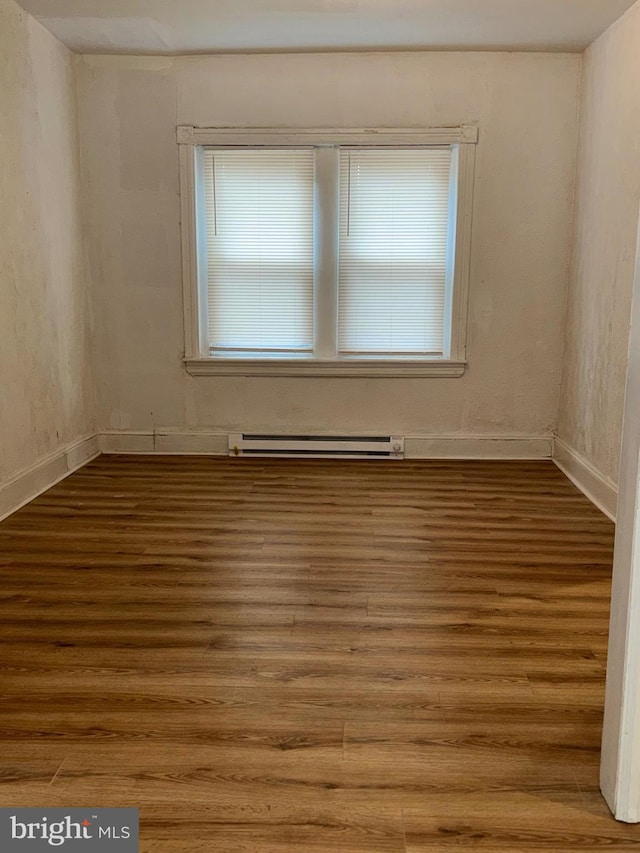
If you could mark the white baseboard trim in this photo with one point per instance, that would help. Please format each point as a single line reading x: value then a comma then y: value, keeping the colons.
x: 600, y: 490
x: 478, y: 446
x: 27, y: 484
x: 126, y: 441
x: 165, y: 441
x: 37, y: 478
x: 171, y: 441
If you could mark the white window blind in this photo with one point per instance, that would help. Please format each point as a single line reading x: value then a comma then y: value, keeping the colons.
x: 259, y: 243
x: 394, y: 218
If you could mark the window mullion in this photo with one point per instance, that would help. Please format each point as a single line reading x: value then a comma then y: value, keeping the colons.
x: 326, y: 237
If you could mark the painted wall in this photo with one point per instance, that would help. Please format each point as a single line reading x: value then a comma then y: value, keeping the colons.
x: 608, y: 196
x: 620, y: 764
x: 526, y: 108
x: 46, y: 398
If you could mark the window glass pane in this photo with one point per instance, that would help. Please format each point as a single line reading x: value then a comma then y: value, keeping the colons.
x: 259, y: 217
x: 394, y: 213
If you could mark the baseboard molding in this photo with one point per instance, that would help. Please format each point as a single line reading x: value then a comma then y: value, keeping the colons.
x: 600, y: 490
x: 166, y: 441
x: 31, y: 482
x: 478, y: 447
x: 126, y: 441
x: 27, y: 484
x: 169, y: 441
x: 37, y: 478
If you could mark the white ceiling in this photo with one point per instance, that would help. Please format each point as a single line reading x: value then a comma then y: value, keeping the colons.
x: 211, y: 26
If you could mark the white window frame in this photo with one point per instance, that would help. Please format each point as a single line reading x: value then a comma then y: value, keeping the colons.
x: 198, y: 361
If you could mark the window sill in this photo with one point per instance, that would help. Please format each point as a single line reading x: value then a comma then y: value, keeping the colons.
x: 314, y: 367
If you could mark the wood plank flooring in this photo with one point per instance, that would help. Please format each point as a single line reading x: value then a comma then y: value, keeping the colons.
x: 301, y: 655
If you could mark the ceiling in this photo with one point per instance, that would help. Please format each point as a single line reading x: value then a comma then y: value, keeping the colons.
x: 215, y: 26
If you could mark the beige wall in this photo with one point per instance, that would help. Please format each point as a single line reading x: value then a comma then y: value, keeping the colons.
x: 608, y: 195
x: 46, y: 400
x: 526, y: 107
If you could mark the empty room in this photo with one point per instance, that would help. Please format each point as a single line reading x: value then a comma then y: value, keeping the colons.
x: 319, y: 426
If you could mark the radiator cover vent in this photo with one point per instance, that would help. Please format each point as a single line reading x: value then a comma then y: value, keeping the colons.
x: 317, y: 446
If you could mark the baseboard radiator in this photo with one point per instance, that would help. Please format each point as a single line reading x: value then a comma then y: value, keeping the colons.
x: 317, y: 446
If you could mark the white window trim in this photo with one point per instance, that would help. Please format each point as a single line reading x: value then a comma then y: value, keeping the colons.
x: 197, y: 360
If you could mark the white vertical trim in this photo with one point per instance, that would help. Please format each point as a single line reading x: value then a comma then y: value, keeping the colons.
x: 192, y: 340
x: 326, y: 217
x: 466, y: 177
x: 201, y: 283
x: 451, y: 249
x: 620, y: 767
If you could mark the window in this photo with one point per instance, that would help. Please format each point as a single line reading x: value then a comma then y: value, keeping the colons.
x: 259, y: 222
x: 393, y: 258
x: 326, y: 253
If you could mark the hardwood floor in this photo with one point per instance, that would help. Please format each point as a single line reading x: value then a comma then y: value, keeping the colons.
x: 301, y: 655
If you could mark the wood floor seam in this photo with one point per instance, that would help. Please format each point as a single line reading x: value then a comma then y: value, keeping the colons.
x: 55, y: 775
